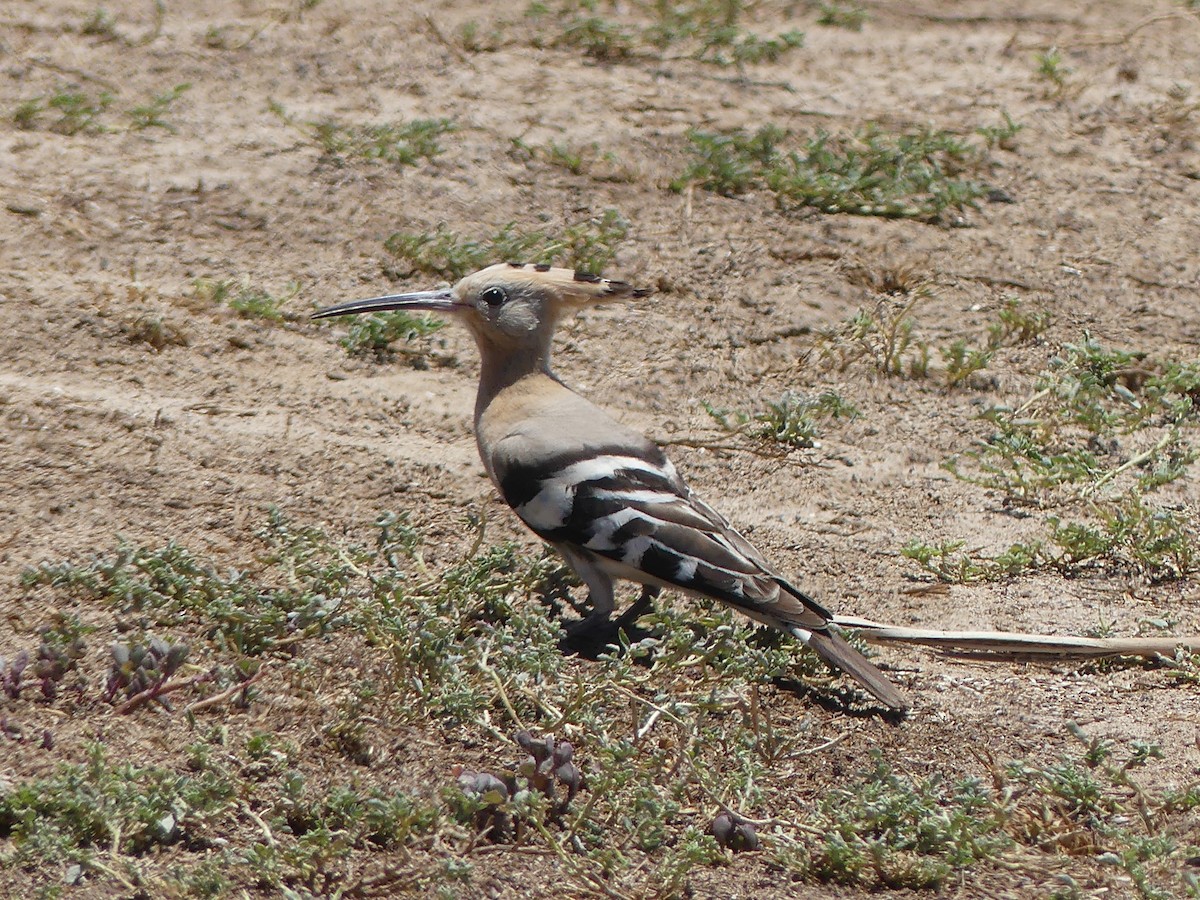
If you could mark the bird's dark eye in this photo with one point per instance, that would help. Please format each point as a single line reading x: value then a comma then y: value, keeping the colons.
x: 495, y: 296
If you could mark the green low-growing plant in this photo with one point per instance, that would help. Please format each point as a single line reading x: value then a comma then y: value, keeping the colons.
x: 375, y: 334
x: 673, y: 761
x: 710, y: 31
x: 890, y: 830
x: 171, y: 587
x: 1104, y: 428
x: 792, y: 421
x: 1089, y: 398
x: 73, y: 111
x: 578, y: 159
x: 918, y: 174
x: 1052, y: 68
x: 896, y: 831
x: 103, y: 808
x: 400, y: 144
x: 152, y: 114
x: 587, y: 246
x: 886, y: 336
x: 246, y: 299
x: 102, y: 819
x: 1002, y: 136
x: 841, y: 15
x: 1016, y: 325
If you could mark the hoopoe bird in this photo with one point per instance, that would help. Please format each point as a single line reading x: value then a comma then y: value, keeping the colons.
x: 603, y: 495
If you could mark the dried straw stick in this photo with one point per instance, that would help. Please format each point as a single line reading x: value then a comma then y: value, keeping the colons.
x: 1008, y: 644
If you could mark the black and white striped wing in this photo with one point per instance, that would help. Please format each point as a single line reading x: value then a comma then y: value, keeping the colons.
x: 635, y: 511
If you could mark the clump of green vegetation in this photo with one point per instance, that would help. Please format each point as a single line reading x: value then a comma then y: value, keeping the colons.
x: 588, y: 246
x: 74, y: 109
x: 841, y: 15
x: 1063, y: 451
x: 919, y: 174
x: 171, y: 587
x: 887, y: 338
x: 714, y: 27
x: 894, y: 831
x: 84, y: 811
x: 1002, y: 136
x: 710, y: 31
x: 100, y: 23
x: 578, y: 159
x: 151, y: 114
x: 598, y: 37
x: 157, y: 332
x: 77, y: 111
x: 100, y: 819
x: 793, y: 421
x: 673, y: 760
x: 1089, y: 397
x: 890, y: 830
x: 473, y: 38
x: 1015, y: 325
x: 375, y: 334
x: 1127, y: 533
x: 245, y: 299
x: 399, y: 144
x: 1052, y: 68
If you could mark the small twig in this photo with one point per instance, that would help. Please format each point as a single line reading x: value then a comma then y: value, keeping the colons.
x: 1109, y: 40
x: 590, y: 882
x: 157, y: 690
x: 258, y: 820
x: 821, y: 748
x: 783, y: 456
x: 1104, y: 479
x: 44, y: 63
x: 227, y: 693
x: 647, y: 725
x: 491, y: 673
x: 995, y: 280
x: 447, y: 43
x: 1008, y: 644
x: 112, y: 873
x: 1032, y: 400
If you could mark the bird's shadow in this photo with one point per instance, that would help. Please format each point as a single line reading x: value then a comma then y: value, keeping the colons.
x: 616, y: 636
x: 845, y: 701
x: 605, y: 638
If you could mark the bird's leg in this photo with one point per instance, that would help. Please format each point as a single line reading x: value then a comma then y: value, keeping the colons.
x: 641, y: 606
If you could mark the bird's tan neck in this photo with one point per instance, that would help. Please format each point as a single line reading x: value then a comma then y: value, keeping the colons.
x: 503, y: 365
x: 501, y: 401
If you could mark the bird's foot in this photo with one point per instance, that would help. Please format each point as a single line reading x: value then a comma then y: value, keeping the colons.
x: 598, y: 633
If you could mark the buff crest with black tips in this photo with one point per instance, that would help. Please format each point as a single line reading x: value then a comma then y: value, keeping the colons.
x: 603, y: 495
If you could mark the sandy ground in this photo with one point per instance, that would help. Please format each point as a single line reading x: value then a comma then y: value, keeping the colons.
x: 102, y: 231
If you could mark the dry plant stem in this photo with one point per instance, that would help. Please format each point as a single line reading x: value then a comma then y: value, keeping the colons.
x: 254, y: 817
x: 1008, y: 644
x: 1104, y: 479
x: 501, y: 692
x: 441, y: 38
x: 156, y: 691
x: 227, y: 693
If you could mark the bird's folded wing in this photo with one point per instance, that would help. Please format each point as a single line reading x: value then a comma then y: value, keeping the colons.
x: 637, y: 512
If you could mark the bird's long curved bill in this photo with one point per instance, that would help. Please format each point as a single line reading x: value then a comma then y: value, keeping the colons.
x: 433, y: 301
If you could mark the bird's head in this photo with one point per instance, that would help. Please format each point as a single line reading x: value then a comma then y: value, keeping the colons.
x: 508, y: 306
